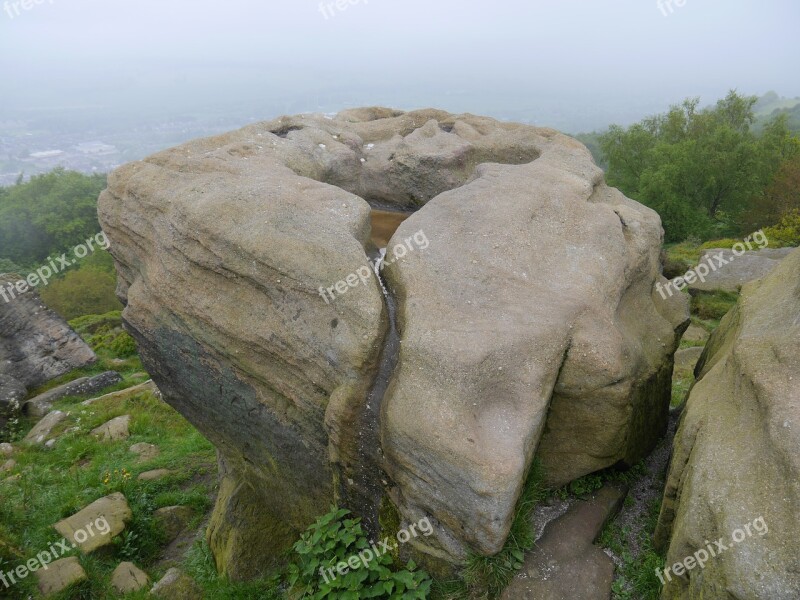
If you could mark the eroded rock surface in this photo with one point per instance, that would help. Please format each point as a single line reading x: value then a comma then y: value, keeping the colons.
x: 736, y: 457
x: 533, y: 296
x: 36, y: 345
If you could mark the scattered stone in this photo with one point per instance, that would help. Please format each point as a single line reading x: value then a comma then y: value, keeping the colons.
x: 43, y: 403
x: 154, y: 475
x: 106, y: 517
x: 8, y: 465
x: 176, y: 585
x: 749, y: 266
x: 147, y: 386
x: 49, y: 444
x: 172, y: 520
x: 114, y: 430
x: 43, y: 428
x: 128, y: 578
x: 695, y: 333
x: 145, y: 451
x: 565, y: 564
x: 60, y: 575
x: 6, y: 449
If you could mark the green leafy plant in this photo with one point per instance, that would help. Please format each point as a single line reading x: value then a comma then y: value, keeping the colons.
x: 335, y: 539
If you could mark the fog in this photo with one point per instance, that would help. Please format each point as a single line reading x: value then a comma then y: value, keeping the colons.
x: 575, y: 65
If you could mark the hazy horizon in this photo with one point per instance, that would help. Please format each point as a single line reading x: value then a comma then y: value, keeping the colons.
x: 590, y: 64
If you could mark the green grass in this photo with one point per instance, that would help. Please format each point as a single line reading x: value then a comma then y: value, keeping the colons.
x: 636, y: 579
x: 712, y: 306
x: 54, y: 484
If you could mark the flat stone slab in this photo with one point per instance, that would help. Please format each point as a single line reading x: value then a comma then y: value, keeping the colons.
x: 38, y: 435
x: 114, y: 430
x: 565, y: 565
x: 43, y: 403
x: 145, y: 451
x: 60, y: 575
x: 128, y: 578
x: 97, y: 524
x: 739, y: 270
x: 147, y: 386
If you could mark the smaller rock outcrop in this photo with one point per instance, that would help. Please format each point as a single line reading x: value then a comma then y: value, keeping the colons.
x: 734, y: 476
x: 36, y: 345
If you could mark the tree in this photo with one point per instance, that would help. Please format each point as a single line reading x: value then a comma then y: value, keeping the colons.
x: 699, y: 169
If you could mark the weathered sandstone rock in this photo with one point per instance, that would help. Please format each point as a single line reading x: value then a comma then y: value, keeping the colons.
x: 36, y: 345
x: 736, y: 457
x: 60, y: 575
x: 532, y: 294
x: 96, y: 525
x: 128, y: 578
x: 40, y: 431
x: 114, y: 430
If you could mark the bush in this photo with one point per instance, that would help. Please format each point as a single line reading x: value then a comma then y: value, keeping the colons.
x: 713, y: 305
x: 787, y: 232
x: 333, y: 539
x: 86, y: 291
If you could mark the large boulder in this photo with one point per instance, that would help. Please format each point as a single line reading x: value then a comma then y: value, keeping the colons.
x: 36, y: 345
x: 735, y: 471
x: 522, y: 287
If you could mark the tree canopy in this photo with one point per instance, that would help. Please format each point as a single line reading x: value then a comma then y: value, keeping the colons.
x: 701, y: 170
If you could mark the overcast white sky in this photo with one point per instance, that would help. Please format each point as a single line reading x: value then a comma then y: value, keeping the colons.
x: 179, y: 53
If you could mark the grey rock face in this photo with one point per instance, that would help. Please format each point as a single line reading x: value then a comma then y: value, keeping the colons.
x: 731, y: 272
x: 41, y: 404
x: 36, y: 345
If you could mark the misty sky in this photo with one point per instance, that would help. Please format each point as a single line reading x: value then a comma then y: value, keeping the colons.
x: 565, y: 55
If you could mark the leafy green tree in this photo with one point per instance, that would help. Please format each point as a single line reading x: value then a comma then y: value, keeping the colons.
x: 48, y: 215
x: 700, y: 169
